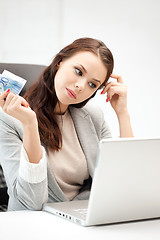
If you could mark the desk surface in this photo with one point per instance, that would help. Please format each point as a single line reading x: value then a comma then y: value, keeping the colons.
x: 41, y: 225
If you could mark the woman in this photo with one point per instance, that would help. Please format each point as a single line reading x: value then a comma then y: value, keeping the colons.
x: 49, y: 138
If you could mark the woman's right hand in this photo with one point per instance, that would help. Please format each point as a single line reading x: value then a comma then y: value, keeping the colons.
x: 16, y: 106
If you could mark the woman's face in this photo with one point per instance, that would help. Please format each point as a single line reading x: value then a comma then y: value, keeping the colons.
x: 77, y: 78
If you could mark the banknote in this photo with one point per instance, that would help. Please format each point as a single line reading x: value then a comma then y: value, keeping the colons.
x: 12, y: 81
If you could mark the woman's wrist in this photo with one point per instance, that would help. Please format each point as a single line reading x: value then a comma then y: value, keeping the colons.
x: 31, y: 141
x: 31, y: 123
x: 125, y: 124
x: 123, y: 114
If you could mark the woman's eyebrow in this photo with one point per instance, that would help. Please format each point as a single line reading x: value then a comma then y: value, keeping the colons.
x: 86, y: 72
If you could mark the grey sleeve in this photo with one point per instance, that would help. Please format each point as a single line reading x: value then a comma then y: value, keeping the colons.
x: 97, y: 115
x: 105, y: 131
x: 22, y: 195
x: 101, y: 126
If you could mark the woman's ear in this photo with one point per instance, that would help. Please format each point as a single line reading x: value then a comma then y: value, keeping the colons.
x: 59, y: 63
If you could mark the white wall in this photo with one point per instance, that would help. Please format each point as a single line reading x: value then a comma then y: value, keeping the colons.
x: 30, y: 30
x: 34, y: 30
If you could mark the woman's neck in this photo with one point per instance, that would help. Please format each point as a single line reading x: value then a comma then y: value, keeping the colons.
x: 60, y: 109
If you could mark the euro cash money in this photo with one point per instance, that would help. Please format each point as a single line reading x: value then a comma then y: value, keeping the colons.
x: 12, y: 81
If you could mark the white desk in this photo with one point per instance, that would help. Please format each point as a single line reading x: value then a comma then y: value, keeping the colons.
x: 31, y: 225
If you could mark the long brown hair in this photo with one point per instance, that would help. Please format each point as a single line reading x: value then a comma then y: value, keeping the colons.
x: 42, y: 96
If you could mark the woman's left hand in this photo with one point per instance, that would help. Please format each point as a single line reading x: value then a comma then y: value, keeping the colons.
x: 116, y: 94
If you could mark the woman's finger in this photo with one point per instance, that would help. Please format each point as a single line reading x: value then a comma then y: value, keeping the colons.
x: 16, y: 103
x: 110, y: 84
x: 118, y: 77
x: 4, y: 94
x: 20, y: 101
x: 3, y: 97
x: 9, y: 97
x: 13, y: 102
x: 8, y: 101
x: 112, y: 91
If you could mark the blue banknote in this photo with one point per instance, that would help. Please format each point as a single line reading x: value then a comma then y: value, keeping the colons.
x: 12, y: 81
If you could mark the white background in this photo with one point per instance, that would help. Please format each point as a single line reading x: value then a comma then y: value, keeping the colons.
x: 32, y: 31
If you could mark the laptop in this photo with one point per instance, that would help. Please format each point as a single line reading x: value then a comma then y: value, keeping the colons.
x: 125, y: 186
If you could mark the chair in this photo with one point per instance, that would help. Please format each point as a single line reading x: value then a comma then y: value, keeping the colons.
x: 3, y: 192
x: 30, y: 72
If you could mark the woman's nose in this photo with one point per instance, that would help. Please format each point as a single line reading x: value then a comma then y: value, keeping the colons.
x: 80, y: 84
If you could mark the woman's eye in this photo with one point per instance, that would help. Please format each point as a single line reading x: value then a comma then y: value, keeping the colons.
x: 78, y: 71
x: 92, y: 85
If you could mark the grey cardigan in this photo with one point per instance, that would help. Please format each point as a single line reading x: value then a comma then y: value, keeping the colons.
x: 90, y: 127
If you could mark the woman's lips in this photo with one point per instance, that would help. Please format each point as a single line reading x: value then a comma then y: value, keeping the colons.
x: 71, y: 93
